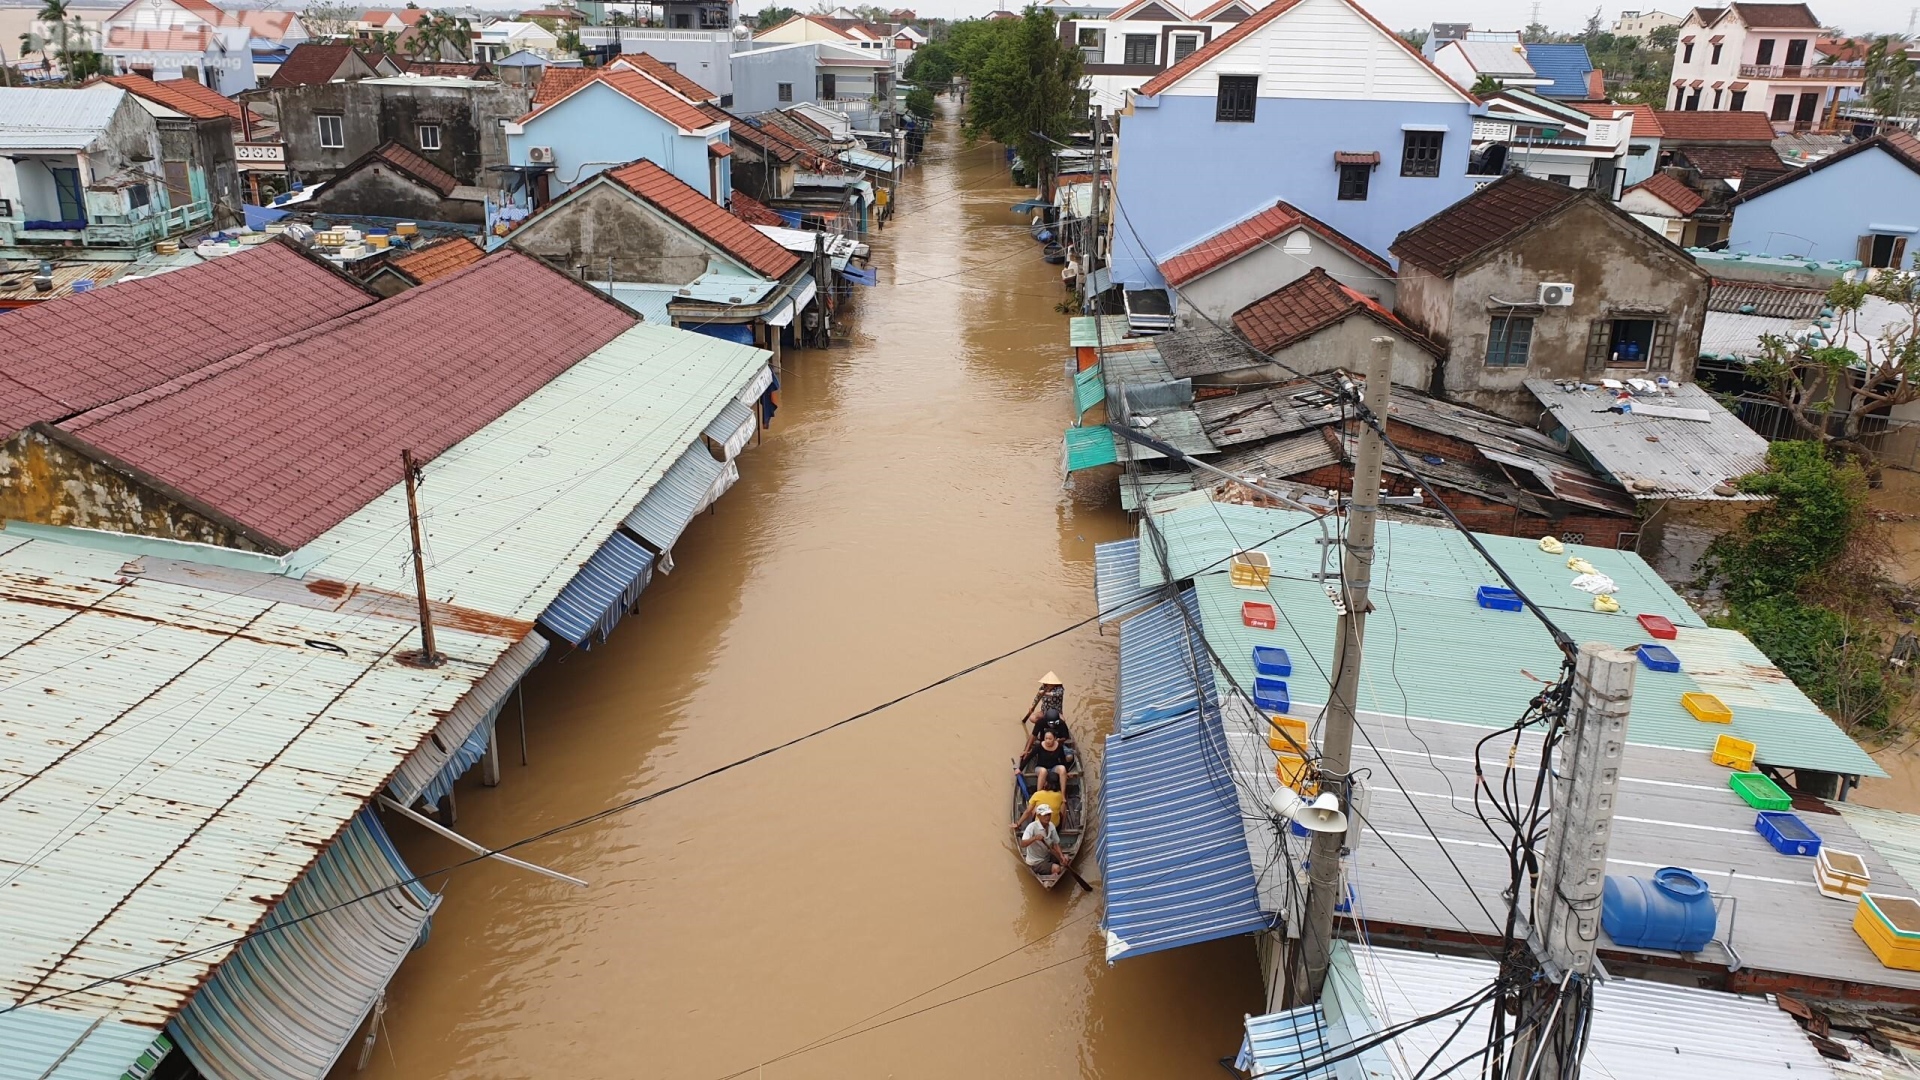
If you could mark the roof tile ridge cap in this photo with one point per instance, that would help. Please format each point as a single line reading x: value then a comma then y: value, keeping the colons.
x: 512, y: 256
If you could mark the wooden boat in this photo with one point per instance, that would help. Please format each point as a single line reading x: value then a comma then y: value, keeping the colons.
x: 1072, y: 825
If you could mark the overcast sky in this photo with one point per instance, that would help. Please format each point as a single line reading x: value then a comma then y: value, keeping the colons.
x: 1855, y: 16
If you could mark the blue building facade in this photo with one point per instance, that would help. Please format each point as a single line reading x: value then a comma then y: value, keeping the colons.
x: 597, y: 127
x: 1862, y: 203
x: 1315, y: 103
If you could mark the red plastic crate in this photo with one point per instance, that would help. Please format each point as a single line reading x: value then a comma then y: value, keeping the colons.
x: 1259, y: 616
x: 1659, y: 626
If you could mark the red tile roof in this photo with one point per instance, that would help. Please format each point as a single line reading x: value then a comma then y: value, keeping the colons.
x: 1241, y: 237
x: 1679, y: 127
x: 439, y: 259
x: 80, y: 352
x: 1646, y: 119
x: 1502, y: 210
x: 1754, y: 164
x: 1307, y: 305
x: 412, y: 164
x: 719, y: 150
x: 290, y: 437
x: 311, y: 62
x: 1899, y: 145
x: 705, y: 218
x: 1777, y: 16
x: 557, y: 82
x: 743, y: 132
x: 190, y: 40
x: 644, y: 91
x: 1668, y: 189
x: 1265, y: 15
x: 182, y: 96
x: 753, y: 211
x: 666, y: 73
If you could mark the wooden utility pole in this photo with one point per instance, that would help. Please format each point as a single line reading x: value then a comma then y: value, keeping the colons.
x: 429, y: 656
x: 1566, y: 900
x: 1313, y: 951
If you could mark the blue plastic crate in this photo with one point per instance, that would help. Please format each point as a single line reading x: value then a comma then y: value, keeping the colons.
x: 1497, y: 598
x: 1271, y: 695
x: 1787, y: 833
x: 1272, y: 661
x: 1658, y: 658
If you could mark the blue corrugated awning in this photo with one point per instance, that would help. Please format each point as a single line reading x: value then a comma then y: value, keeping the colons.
x: 664, y: 514
x: 1173, y: 852
x: 1294, y: 1044
x: 791, y: 217
x: 291, y: 998
x: 860, y: 275
x: 1117, y: 591
x: 586, y: 610
x: 1164, y: 667
x: 1028, y: 206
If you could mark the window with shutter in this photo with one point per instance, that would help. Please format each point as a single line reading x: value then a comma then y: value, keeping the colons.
x: 1597, y: 335
x: 1238, y: 97
x: 1662, y: 354
x: 1882, y: 250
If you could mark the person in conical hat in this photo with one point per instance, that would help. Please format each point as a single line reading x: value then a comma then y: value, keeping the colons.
x: 1051, y: 695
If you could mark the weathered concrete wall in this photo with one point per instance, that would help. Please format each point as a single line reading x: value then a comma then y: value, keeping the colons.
x: 44, y: 482
x: 1349, y: 345
x: 379, y: 190
x: 1619, y: 269
x: 613, y: 235
x: 1269, y: 267
x: 374, y: 112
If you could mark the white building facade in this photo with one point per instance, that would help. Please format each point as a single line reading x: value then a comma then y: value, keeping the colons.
x: 1758, y: 58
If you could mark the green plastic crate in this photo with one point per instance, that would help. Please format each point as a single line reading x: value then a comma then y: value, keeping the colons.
x: 1759, y: 792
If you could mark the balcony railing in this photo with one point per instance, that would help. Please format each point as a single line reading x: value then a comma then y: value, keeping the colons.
x: 1811, y: 72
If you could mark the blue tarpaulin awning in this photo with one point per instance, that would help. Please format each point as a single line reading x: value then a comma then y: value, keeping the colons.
x: 861, y: 275
x: 1028, y: 206
x: 1294, y: 1044
x: 1164, y: 667
x: 740, y: 332
x: 667, y: 510
x: 1173, y: 853
x: 586, y: 610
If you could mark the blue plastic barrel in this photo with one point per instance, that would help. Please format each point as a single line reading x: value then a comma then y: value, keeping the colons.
x: 1672, y: 911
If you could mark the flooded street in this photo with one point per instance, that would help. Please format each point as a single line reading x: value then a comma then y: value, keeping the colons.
x: 903, y: 520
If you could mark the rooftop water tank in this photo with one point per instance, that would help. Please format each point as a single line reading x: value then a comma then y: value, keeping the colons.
x: 1672, y: 911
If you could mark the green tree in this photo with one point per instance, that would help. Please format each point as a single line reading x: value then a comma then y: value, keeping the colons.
x: 1415, y: 38
x: 1486, y: 84
x: 329, y: 20
x: 920, y: 103
x: 974, y: 41
x: 1026, y: 93
x: 1832, y: 379
x: 932, y: 66
x: 1536, y: 33
x: 1663, y: 38
x: 1592, y: 29
x: 1888, y: 77
x: 771, y: 17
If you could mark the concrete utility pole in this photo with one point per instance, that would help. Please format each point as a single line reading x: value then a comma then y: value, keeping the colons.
x: 429, y: 656
x: 1573, y: 871
x: 1313, y: 951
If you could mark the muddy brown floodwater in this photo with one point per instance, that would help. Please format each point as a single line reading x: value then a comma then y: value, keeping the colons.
x: 903, y: 519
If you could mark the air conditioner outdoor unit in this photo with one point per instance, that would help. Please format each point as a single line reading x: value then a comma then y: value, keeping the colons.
x: 1556, y: 294
x: 539, y: 155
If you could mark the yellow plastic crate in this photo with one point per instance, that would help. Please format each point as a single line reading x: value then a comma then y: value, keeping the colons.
x: 1734, y: 753
x: 1250, y: 570
x: 1293, y: 727
x: 1706, y: 708
x: 1292, y: 770
x: 1890, y: 925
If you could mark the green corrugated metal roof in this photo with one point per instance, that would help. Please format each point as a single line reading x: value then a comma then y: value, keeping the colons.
x: 1089, y: 389
x: 1446, y: 658
x: 1136, y: 489
x: 1089, y: 447
x: 1894, y: 835
x: 1089, y: 331
x: 1410, y: 558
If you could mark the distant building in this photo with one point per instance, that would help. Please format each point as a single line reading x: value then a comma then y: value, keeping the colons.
x: 104, y: 170
x: 316, y: 62
x: 1641, y: 24
x: 1251, y: 258
x: 700, y: 55
x: 1139, y: 40
x: 1855, y: 204
x: 612, y: 116
x: 1553, y: 140
x: 1759, y: 56
x: 393, y: 181
x: 1315, y: 103
x: 495, y: 40
x: 1534, y: 280
x: 194, y: 39
x: 854, y: 83
x: 454, y: 123
x: 1555, y: 71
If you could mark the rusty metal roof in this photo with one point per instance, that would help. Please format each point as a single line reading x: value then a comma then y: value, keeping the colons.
x: 178, y: 754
